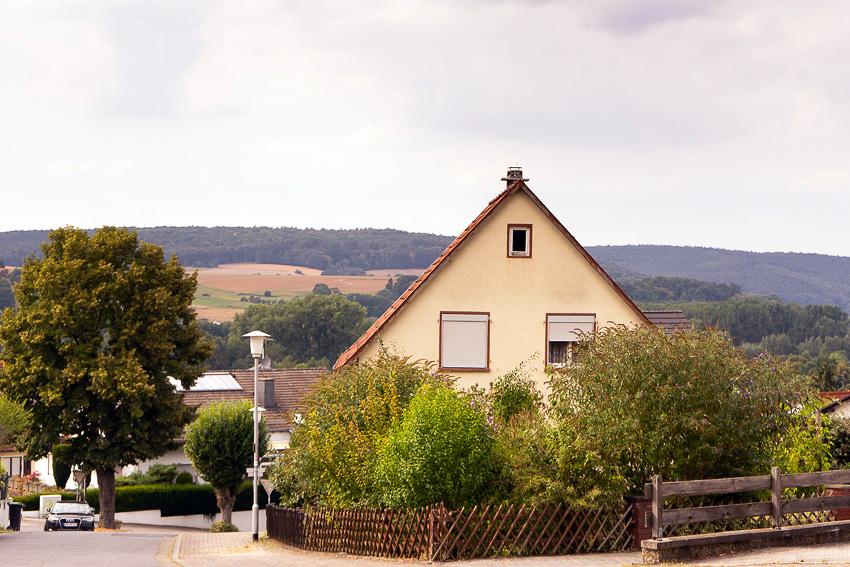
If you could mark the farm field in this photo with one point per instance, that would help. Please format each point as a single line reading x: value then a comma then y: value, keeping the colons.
x: 221, y: 289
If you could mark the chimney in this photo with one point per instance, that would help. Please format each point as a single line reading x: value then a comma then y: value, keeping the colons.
x: 265, y: 393
x: 514, y: 174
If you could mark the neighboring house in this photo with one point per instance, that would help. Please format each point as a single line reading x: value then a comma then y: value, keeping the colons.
x: 514, y: 286
x: 279, y: 390
x: 838, y: 406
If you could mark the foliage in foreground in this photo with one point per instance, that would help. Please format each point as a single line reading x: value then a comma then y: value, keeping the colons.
x: 331, y: 459
x: 441, y: 450
x: 686, y: 406
x: 220, y: 444
x: 640, y: 402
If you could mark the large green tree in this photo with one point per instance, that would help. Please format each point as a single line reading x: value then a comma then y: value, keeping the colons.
x: 687, y: 406
x: 102, y: 322
x: 314, y: 327
x: 220, y: 444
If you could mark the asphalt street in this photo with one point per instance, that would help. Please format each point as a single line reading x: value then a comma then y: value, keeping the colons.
x: 152, y: 546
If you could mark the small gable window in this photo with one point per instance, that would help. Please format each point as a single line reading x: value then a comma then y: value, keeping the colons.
x: 519, y: 241
x: 465, y: 341
x: 563, y: 335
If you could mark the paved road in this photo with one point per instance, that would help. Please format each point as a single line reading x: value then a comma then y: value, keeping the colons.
x: 150, y: 546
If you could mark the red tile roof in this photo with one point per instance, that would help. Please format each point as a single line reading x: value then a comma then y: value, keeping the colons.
x: 354, y: 350
x: 290, y: 385
x: 670, y: 321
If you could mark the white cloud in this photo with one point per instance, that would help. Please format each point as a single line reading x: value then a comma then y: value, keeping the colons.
x: 713, y: 116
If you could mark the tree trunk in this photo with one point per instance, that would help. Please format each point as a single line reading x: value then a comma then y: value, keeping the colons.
x: 226, y: 498
x: 106, y: 486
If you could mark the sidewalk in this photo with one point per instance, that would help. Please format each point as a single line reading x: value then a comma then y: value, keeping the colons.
x: 238, y: 550
x: 200, y: 549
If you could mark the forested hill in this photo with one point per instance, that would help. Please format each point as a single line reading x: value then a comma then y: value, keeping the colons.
x: 797, y: 278
x: 324, y: 249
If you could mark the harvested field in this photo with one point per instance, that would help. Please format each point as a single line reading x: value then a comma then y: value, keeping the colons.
x: 219, y: 289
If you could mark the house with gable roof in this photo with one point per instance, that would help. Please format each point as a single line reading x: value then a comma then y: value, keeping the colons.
x: 515, y: 285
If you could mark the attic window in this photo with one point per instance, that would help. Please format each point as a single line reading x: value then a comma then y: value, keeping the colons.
x: 519, y: 241
x: 563, y: 333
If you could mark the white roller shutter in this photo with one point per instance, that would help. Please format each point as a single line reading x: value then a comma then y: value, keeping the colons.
x: 464, y: 340
x: 567, y: 327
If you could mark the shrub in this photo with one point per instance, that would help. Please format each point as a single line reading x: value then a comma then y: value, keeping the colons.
x: 440, y: 451
x: 331, y: 460
x: 513, y: 394
x: 62, y: 462
x: 686, y: 406
x: 223, y: 527
x: 184, y: 478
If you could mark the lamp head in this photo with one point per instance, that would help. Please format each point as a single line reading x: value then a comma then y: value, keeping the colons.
x: 258, y: 339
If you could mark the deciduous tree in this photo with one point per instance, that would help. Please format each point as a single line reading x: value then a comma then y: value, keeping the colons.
x: 220, y: 444
x: 103, y: 321
x: 687, y: 406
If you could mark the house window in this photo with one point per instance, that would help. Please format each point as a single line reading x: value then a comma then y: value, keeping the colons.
x: 563, y: 333
x: 519, y: 241
x: 465, y: 341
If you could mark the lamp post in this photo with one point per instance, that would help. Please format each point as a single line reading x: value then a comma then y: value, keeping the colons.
x: 258, y: 341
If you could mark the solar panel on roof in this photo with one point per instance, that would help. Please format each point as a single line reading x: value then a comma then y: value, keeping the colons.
x: 210, y: 382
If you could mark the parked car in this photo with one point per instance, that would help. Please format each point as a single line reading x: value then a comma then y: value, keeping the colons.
x: 70, y: 516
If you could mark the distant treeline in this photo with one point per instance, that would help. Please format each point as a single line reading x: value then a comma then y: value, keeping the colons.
x: 799, y: 278
x: 769, y: 324
x: 335, y: 251
x: 678, y: 289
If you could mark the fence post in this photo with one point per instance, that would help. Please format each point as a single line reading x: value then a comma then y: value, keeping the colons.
x: 431, y: 533
x: 657, y: 508
x: 641, y: 511
x: 776, y: 496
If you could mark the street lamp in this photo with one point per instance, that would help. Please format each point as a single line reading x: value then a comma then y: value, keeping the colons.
x: 258, y: 341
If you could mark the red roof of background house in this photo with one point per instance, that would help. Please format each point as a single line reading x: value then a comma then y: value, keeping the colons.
x: 290, y: 385
x: 670, y: 321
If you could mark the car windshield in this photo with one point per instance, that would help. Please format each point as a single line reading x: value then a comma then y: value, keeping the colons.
x: 70, y: 508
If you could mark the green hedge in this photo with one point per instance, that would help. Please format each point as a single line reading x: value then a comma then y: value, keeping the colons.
x: 171, y: 499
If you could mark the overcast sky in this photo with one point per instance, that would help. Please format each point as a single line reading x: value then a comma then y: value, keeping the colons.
x: 719, y: 124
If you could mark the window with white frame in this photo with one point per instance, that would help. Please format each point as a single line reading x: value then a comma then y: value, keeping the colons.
x: 519, y: 241
x: 465, y: 341
x: 563, y: 333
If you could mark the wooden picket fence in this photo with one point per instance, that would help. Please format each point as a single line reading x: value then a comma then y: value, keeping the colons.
x: 437, y: 534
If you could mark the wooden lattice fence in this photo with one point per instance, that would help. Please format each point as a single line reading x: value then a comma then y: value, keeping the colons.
x: 359, y: 531
x: 441, y: 535
x: 506, y: 531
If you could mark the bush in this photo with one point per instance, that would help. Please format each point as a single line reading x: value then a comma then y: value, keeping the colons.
x: 223, y: 527
x: 171, y: 499
x: 514, y: 394
x: 331, y: 460
x: 685, y: 406
x: 184, y: 478
x: 62, y: 462
x: 440, y: 451
x: 156, y: 474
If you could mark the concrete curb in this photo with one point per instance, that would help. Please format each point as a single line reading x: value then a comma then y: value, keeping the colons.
x: 175, y: 554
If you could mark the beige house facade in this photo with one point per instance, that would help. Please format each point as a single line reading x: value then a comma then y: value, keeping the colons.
x: 515, y: 287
